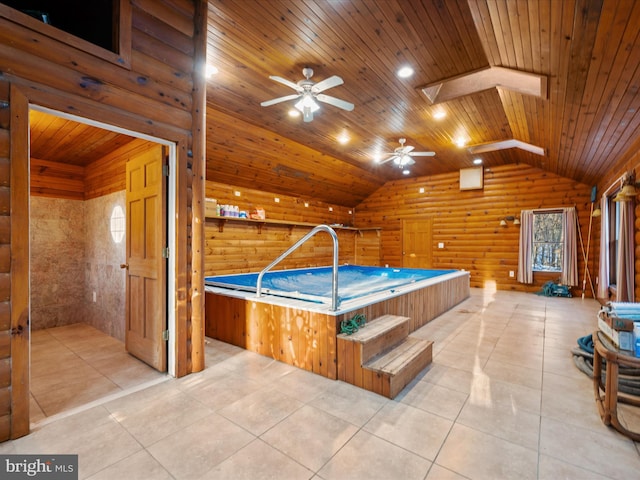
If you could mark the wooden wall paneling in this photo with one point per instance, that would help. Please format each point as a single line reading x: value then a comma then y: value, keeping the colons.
x: 245, y: 247
x: 107, y: 174
x: 54, y: 179
x: 20, y: 334
x: 467, y: 222
x: 5, y: 270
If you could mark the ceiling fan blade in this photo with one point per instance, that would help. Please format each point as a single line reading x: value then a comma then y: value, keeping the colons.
x: 279, y: 99
x: 336, y: 102
x: 391, y: 158
x: 286, y: 82
x: 327, y: 83
x: 405, y: 149
x: 422, y: 154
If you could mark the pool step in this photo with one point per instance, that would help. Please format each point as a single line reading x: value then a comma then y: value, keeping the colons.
x: 381, y: 357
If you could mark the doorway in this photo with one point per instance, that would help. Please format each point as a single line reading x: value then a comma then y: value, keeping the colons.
x: 82, y: 345
x: 417, y: 243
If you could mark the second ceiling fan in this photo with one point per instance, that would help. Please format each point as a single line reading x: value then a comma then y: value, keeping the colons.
x: 402, y: 156
x: 308, y: 92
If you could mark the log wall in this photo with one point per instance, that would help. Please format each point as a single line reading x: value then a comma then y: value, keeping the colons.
x: 239, y: 247
x: 153, y: 86
x: 468, y: 222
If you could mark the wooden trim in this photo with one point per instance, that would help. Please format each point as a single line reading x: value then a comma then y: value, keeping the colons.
x: 198, y: 186
x: 122, y: 28
x: 19, y: 263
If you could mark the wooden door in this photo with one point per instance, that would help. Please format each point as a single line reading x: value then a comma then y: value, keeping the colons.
x: 146, y: 316
x: 416, y: 243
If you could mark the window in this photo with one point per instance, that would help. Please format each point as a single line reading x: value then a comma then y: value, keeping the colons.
x: 101, y: 28
x: 548, y: 241
x: 91, y: 21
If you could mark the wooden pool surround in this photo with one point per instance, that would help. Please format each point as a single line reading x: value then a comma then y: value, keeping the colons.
x: 307, y: 339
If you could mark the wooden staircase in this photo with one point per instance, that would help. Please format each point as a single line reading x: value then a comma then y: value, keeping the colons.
x: 381, y: 357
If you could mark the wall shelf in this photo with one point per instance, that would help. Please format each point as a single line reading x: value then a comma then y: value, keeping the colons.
x: 260, y: 223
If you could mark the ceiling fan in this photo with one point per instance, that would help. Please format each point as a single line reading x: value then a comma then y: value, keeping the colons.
x: 402, y: 156
x: 308, y: 92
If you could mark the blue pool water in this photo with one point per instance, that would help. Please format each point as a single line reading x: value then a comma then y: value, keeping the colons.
x: 314, y: 284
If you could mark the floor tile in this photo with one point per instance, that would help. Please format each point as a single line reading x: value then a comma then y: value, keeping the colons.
x: 410, y: 428
x: 272, y: 465
x: 478, y: 455
x: 367, y: 457
x: 310, y: 436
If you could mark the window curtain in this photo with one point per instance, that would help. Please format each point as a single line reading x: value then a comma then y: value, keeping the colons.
x: 569, y: 274
x: 525, y: 251
x: 603, y: 269
x: 626, y: 258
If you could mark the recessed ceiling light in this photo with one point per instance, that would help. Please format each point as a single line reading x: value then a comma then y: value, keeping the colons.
x: 439, y: 114
x: 477, y: 161
x: 460, y: 142
x: 421, y: 189
x: 210, y: 70
x: 294, y: 112
x: 405, y: 72
x: 343, y: 138
x: 406, y: 172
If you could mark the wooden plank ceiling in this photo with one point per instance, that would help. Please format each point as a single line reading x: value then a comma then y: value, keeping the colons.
x: 586, y: 122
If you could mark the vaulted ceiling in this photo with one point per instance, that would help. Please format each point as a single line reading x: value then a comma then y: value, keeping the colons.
x: 515, y: 78
x: 586, y: 54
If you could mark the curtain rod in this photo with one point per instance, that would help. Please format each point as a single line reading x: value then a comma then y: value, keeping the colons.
x: 613, y: 184
x: 549, y: 209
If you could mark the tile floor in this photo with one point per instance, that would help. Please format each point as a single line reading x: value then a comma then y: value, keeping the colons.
x: 502, y: 400
x: 77, y: 364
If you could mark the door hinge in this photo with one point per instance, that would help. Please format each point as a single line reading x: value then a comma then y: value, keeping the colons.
x: 165, y: 252
x: 165, y: 170
x: 165, y: 335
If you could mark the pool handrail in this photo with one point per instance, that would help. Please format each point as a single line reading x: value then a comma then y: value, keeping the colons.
x: 334, y: 276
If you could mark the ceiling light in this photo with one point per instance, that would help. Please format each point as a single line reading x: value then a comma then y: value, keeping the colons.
x: 406, y: 172
x: 307, y: 101
x: 210, y: 70
x: 294, y: 113
x: 421, y: 189
x: 477, y: 161
x: 405, y: 72
x: 460, y: 142
x: 307, y: 105
x: 439, y: 114
x: 343, y: 138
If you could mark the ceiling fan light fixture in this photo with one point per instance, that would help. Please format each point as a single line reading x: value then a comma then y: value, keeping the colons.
x: 307, y: 102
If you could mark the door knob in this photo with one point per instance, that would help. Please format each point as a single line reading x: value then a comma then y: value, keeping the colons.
x: 124, y: 265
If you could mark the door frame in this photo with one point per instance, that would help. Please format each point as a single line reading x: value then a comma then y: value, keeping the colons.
x: 171, y: 214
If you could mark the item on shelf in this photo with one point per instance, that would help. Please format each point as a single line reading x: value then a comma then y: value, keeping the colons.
x: 258, y: 213
x: 210, y: 207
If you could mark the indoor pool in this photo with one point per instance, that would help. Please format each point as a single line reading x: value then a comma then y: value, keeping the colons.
x: 314, y: 284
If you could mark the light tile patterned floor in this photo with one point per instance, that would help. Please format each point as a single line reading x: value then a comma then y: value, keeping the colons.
x: 502, y: 400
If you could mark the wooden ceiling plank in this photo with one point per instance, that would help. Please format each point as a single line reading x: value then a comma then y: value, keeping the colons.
x: 616, y: 70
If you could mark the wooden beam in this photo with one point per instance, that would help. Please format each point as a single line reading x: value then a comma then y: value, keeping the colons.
x: 504, y: 144
x: 484, y: 79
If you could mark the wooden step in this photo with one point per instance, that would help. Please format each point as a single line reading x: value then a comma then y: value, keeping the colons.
x: 397, y: 367
x: 379, y: 335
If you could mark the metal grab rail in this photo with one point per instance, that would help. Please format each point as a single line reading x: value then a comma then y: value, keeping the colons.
x: 334, y: 277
